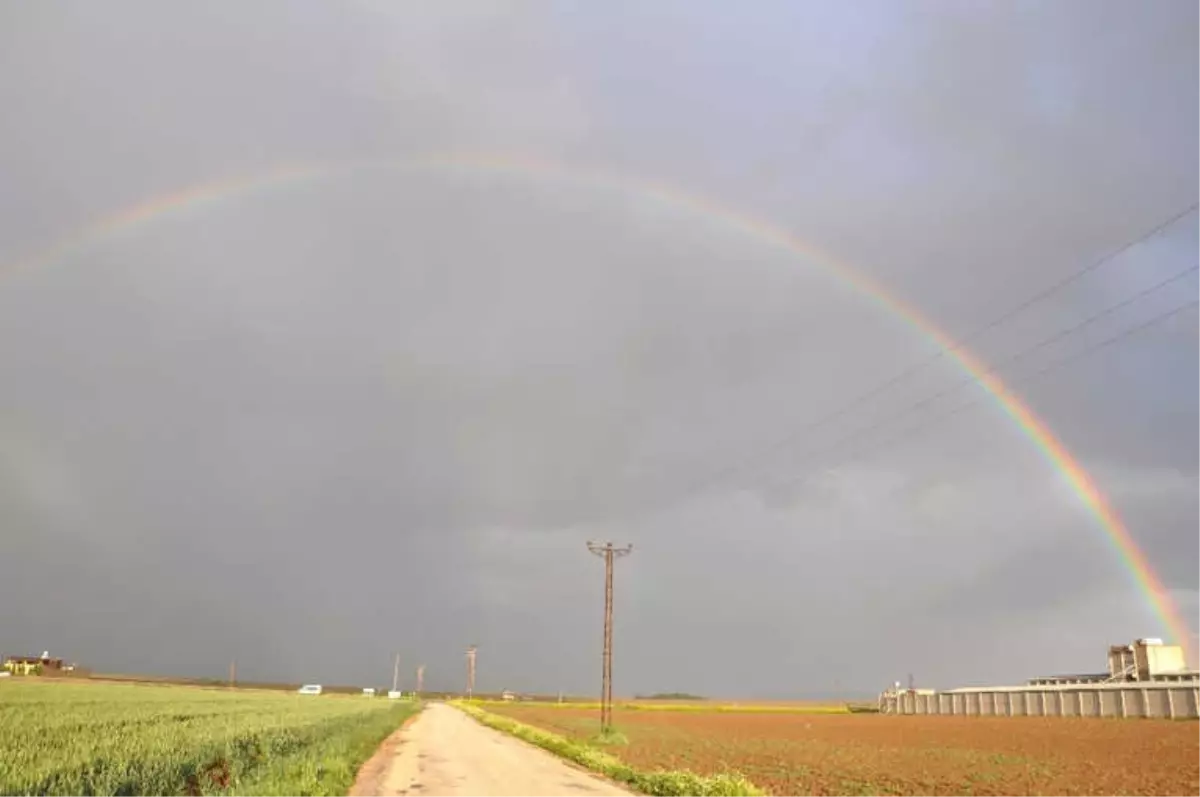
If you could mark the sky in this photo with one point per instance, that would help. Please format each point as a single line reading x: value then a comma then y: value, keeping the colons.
x: 313, y: 424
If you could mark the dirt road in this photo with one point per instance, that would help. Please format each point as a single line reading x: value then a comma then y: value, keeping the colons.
x: 445, y: 752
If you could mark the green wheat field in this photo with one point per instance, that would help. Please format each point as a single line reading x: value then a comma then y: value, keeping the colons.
x: 79, y: 738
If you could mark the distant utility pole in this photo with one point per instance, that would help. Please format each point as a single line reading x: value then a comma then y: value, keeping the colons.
x: 608, y: 552
x: 232, y: 674
x: 470, y: 671
x: 396, y: 673
x: 420, y: 679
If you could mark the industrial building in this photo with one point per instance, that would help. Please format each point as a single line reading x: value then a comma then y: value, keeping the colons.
x: 1144, y: 679
x: 1145, y: 661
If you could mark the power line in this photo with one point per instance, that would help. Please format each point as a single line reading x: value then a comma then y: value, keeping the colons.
x: 1077, y: 275
x: 1019, y: 355
x: 743, y: 462
x: 1029, y: 377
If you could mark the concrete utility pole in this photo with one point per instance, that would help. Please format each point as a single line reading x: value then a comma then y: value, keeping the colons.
x: 470, y: 671
x: 396, y: 673
x: 420, y: 680
x: 607, y: 552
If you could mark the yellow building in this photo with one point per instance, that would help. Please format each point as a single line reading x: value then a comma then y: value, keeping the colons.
x: 32, y: 665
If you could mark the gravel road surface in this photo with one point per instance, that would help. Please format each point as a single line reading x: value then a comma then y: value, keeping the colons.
x: 445, y: 752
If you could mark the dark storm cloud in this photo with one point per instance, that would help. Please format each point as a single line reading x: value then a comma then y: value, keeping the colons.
x: 310, y: 427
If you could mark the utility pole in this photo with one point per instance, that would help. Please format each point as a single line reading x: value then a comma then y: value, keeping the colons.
x: 470, y: 671
x: 396, y: 673
x: 233, y: 674
x: 420, y: 680
x: 608, y: 552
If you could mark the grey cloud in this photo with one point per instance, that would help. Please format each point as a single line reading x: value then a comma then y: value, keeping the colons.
x: 382, y: 412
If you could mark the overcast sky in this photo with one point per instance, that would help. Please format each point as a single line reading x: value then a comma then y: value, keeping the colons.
x: 315, y: 424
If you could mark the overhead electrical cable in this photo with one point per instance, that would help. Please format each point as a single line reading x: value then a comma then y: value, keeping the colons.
x: 1031, y: 376
x: 748, y: 461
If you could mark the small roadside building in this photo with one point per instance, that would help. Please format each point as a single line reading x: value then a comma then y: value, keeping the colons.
x: 34, y: 665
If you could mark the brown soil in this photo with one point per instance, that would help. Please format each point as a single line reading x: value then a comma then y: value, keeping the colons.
x: 872, y: 754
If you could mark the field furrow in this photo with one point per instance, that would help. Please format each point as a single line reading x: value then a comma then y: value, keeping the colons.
x: 815, y: 753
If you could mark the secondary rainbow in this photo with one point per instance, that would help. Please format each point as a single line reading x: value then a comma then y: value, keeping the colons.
x: 1031, y: 426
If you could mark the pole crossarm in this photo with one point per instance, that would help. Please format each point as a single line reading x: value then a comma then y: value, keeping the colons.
x: 602, y: 548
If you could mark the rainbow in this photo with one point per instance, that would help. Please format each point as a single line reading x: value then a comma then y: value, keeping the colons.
x: 1050, y: 447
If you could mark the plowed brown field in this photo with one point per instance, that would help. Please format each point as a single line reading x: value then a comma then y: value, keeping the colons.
x: 872, y: 754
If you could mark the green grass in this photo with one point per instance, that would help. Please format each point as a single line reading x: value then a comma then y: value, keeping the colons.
x: 654, y: 783
x: 609, y: 736
x: 59, y: 738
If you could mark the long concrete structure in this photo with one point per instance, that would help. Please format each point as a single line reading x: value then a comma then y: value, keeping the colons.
x: 1166, y: 700
x: 1145, y: 679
